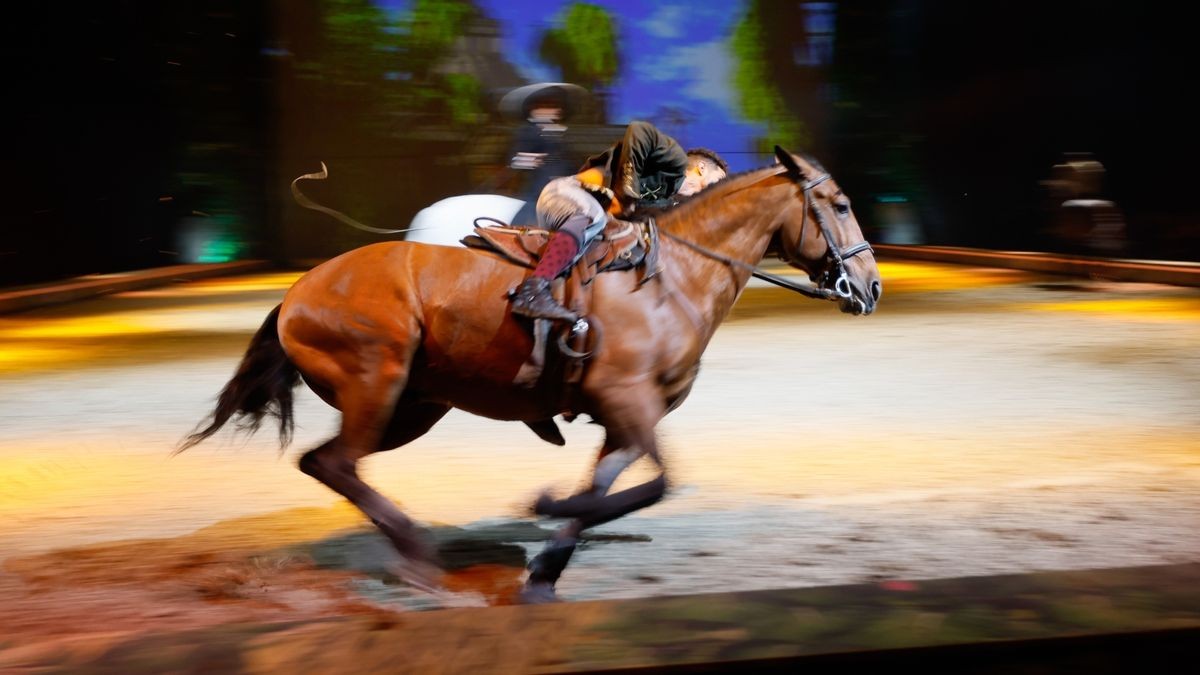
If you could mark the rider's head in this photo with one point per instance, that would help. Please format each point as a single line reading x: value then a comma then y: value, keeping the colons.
x: 704, y: 168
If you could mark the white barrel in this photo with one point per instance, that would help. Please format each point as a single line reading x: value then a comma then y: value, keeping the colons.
x: 445, y: 223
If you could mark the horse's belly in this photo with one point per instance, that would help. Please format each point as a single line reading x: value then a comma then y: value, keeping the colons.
x: 479, y: 395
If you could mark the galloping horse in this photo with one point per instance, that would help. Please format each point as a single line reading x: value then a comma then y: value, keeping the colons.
x: 396, y: 334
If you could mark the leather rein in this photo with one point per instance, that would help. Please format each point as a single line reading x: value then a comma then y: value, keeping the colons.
x: 834, y: 284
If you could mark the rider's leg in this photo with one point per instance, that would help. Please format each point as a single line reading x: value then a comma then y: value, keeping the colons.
x: 574, y: 218
x: 533, y: 298
x: 564, y: 245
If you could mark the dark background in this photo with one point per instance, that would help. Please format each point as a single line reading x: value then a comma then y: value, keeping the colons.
x: 138, y: 122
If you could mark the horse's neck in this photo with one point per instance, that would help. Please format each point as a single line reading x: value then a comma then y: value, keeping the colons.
x: 735, y: 222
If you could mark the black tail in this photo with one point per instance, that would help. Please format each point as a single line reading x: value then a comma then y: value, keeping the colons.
x: 262, y: 386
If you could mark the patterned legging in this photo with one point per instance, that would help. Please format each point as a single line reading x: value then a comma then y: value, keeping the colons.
x: 574, y: 217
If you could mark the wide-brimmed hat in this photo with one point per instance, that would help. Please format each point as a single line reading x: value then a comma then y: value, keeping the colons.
x: 518, y: 102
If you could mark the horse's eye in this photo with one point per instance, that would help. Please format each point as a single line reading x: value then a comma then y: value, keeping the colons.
x: 842, y: 209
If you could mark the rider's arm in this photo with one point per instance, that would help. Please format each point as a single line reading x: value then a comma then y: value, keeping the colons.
x: 528, y: 160
x: 593, y: 181
x: 527, y: 152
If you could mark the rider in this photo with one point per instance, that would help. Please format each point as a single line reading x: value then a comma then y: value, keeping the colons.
x: 540, y: 147
x: 647, y: 168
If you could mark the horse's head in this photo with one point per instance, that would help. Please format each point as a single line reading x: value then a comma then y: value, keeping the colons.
x: 821, y: 236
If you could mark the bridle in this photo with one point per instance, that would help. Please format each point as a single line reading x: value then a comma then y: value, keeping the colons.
x: 833, y: 276
x: 832, y: 281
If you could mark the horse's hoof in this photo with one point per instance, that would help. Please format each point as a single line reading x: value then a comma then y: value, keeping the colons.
x: 537, y: 593
x: 544, y: 506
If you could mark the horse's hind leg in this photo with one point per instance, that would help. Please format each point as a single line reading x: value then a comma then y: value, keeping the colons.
x: 330, y: 465
x: 372, y: 421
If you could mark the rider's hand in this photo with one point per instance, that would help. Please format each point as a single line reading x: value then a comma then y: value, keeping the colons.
x: 528, y: 160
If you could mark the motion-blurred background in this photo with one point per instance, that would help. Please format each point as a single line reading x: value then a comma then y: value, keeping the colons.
x: 152, y: 133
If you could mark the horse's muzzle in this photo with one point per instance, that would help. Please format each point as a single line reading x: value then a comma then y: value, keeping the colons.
x: 858, y: 301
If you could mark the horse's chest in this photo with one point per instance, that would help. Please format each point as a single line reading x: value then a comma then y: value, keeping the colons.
x: 676, y: 388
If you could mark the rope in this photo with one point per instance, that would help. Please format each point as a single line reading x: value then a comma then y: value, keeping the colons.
x: 310, y: 204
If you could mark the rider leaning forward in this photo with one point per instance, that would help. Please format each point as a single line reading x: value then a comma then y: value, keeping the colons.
x: 646, y: 168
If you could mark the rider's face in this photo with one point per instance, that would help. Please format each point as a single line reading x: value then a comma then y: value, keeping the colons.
x: 698, y: 176
x: 545, y: 113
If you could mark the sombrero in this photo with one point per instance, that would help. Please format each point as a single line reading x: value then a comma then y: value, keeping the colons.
x: 517, y: 102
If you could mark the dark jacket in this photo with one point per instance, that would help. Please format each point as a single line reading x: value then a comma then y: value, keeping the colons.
x: 646, y: 167
x: 551, y: 141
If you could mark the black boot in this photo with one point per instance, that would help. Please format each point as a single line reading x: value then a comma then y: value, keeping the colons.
x: 533, y: 299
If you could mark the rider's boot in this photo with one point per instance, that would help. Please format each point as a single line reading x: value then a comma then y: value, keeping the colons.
x: 533, y: 298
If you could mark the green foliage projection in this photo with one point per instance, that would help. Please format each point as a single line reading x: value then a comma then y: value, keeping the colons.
x: 377, y: 66
x: 584, y: 47
x: 759, y: 96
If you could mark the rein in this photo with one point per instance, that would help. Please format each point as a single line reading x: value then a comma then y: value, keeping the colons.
x: 809, y: 291
x: 841, y: 284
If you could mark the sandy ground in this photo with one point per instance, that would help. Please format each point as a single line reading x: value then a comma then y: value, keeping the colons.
x: 982, y: 422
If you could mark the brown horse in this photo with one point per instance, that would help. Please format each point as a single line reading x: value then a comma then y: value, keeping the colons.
x: 396, y: 334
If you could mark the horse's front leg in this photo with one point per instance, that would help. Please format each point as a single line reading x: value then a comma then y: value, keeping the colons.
x: 625, y: 444
x: 547, y: 566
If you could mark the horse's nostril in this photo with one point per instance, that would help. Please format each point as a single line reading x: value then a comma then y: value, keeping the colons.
x: 876, y: 290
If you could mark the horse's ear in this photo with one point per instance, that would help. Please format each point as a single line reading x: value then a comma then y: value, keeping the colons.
x: 785, y: 158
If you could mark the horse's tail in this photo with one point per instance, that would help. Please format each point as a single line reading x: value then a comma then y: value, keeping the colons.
x: 262, y: 386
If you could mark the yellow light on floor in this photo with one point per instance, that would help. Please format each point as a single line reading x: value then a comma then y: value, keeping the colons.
x: 83, y: 327
x: 278, y: 281
x: 915, y: 276
x: 24, y: 355
x: 1150, y: 309
x: 125, y: 324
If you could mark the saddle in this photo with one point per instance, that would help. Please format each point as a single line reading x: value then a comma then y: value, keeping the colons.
x: 623, y: 245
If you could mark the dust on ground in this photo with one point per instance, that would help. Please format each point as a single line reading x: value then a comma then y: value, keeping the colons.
x: 983, y: 422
